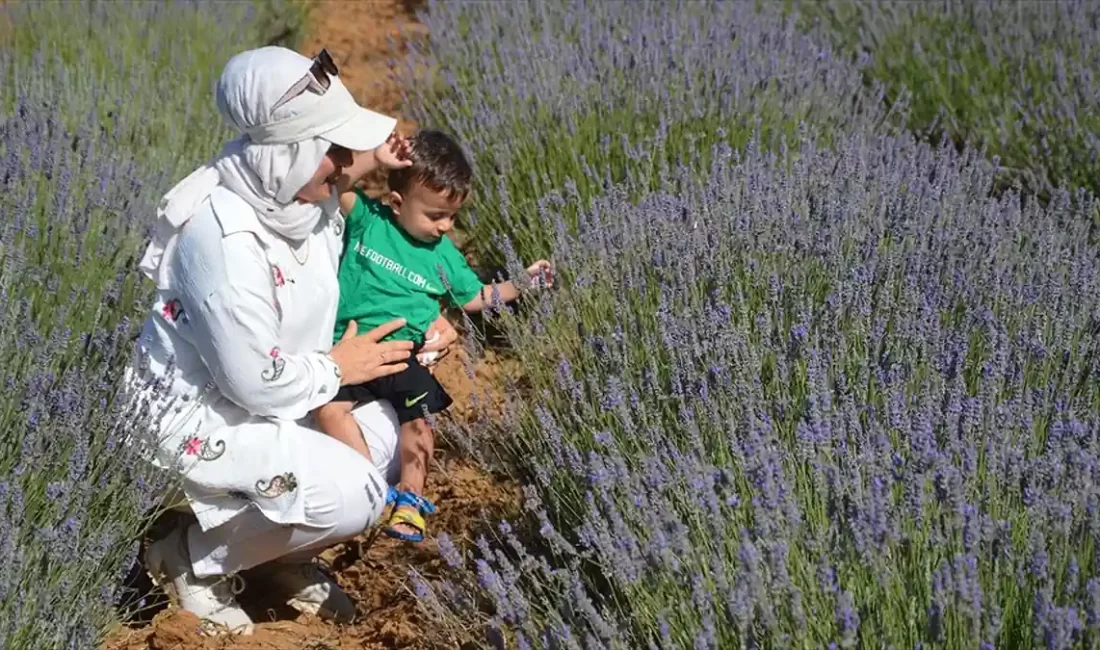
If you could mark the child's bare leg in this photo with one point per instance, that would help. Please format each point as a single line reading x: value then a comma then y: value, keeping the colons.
x: 336, y: 420
x: 417, y: 445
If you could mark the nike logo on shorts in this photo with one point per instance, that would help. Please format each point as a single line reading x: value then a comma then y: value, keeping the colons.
x: 412, y: 402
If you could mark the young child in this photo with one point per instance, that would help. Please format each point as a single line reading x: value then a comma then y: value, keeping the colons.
x: 393, y: 255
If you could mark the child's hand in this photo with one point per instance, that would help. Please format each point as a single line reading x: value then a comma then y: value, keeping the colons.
x: 392, y: 154
x: 429, y: 357
x: 395, y: 153
x: 541, y: 270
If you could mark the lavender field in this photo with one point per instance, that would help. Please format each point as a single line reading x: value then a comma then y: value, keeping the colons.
x: 820, y: 369
x: 105, y: 105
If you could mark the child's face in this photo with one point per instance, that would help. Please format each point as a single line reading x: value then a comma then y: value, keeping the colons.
x: 425, y: 214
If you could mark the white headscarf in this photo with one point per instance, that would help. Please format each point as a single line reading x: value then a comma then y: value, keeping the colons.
x: 277, y: 153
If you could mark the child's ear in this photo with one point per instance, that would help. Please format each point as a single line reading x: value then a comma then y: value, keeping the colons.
x: 394, y: 200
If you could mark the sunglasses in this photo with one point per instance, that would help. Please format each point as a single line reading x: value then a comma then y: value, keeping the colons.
x: 316, y: 80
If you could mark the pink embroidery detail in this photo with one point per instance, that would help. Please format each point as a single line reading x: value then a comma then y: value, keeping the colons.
x: 280, y: 280
x: 172, y: 310
x: 192, y: 447
x: 274, y: 353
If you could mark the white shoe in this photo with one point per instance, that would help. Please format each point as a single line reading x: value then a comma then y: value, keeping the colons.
x: 309, y: 590
x: 212, y: 599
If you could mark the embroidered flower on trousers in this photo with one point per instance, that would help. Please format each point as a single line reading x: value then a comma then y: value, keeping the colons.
x: 277, y: 486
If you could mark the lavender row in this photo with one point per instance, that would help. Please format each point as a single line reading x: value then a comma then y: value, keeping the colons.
x: 1019, y: 78
x: 545, y: 91
x: 94, y: 128
x: 818, y: 398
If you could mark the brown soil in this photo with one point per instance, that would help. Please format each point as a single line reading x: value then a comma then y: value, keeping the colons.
x: 373, y: 569
x: 357, y: 34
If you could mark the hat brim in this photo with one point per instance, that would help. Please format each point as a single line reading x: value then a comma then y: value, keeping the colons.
x: 364, y: 131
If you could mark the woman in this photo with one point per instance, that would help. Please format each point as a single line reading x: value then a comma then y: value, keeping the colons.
x: 236, y: 351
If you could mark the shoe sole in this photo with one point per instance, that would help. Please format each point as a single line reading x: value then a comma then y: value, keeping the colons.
x: 313, y: 609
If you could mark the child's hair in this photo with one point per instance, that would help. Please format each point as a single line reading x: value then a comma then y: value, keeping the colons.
x: 438, y: 164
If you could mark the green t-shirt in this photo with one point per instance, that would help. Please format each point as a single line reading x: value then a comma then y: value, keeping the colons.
x: 386, y: 274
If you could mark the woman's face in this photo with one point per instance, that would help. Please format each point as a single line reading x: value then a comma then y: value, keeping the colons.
x: 319, y: 188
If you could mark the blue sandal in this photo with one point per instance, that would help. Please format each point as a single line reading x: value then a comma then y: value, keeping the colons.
x: 415, y: 519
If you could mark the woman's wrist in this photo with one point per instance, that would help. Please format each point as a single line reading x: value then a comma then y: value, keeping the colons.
x: 335, y: 366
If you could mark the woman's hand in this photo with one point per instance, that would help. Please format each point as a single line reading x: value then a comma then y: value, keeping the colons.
x: 441, y: 335
x: 363, y: 358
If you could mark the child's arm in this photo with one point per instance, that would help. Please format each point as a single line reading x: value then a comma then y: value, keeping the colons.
x: 507, y: 291
x: 347, y: 202
x: 394, y: 153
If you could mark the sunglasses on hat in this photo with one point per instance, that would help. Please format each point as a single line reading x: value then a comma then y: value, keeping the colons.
x: 317, y: 80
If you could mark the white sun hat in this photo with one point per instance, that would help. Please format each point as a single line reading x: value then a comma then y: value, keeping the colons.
x: 312, y: 101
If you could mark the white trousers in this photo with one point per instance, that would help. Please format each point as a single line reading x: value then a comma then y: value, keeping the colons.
x: 337, y: 507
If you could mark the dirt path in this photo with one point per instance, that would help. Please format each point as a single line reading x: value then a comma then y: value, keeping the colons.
x: 357, y: 33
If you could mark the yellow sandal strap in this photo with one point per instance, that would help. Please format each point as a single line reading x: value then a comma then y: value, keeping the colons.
x: 410, y: 517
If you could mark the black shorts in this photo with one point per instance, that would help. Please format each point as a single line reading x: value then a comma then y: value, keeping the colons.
x: 413, y: 392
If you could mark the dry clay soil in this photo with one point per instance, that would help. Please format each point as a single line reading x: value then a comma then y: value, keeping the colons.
x: 375, y: 574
